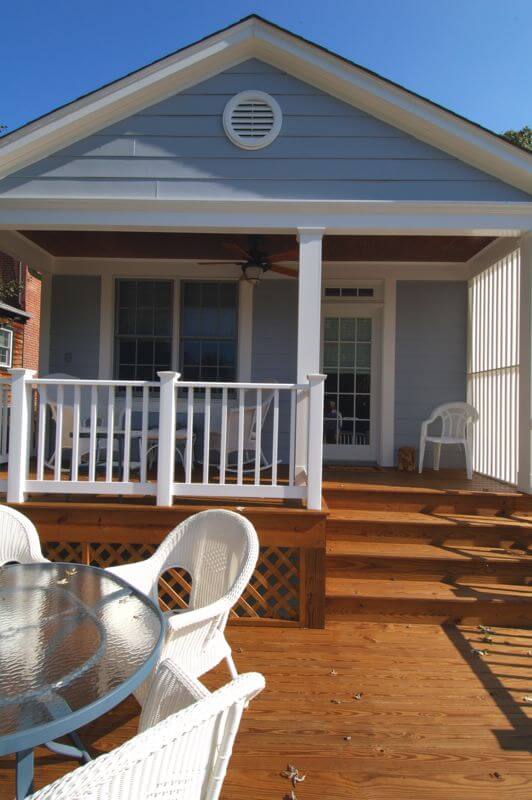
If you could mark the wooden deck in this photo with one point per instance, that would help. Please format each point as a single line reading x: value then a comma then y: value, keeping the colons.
x: 434, y: 720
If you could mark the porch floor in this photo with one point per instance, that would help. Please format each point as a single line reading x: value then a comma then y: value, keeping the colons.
x: 434, y: 719
x: 391, y: 478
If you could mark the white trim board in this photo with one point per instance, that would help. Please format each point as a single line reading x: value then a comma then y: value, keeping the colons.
x: 257, y: 38
x: 272, y: 216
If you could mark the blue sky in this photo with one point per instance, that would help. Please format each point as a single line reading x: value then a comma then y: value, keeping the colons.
x: 472, y: 56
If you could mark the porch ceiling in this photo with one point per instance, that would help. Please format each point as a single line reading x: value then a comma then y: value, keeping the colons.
x: 200, y: 246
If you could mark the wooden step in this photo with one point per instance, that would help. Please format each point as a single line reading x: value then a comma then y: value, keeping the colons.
x: 433, y: 528
x: 423, y: 499
x: 428, y: 601
x: 400, y: 560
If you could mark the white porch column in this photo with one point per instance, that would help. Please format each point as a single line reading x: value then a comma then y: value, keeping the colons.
x: 308, y: 326
x: 19, y: 434
x: 524, y: 464
x: 105, y: 356
x: 245, y: 329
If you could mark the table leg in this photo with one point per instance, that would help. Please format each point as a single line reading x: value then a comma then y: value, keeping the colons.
x: 24, y: 773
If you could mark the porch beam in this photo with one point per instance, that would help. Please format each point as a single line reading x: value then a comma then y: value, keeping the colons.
x: 524, y: 467
x: 308, y: 325
x: 271, y: 216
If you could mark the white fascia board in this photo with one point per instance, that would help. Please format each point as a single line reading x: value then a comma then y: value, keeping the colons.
x: 124, y: 97
x: 396, y: 106
x: 496, y: 250
x: 271, y: 216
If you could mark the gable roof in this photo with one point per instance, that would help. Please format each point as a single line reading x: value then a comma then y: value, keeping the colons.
x: 256, y: 37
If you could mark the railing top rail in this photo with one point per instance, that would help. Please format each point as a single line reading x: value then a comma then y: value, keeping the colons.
x: 221, y: 385
x: 89, y: 382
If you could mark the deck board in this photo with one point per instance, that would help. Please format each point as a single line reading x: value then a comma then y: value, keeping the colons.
x: 435, y: 721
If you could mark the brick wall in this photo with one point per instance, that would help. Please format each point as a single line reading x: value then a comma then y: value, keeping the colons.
x: 26, y: 338
x: 32, y: 304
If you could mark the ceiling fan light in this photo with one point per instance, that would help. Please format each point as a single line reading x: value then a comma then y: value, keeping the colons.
x: 253, y: 273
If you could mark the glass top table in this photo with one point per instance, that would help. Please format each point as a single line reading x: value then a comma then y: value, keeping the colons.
x: 75, y: 640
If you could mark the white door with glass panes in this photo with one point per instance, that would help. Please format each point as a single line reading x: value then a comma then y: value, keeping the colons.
x: 350, y: 355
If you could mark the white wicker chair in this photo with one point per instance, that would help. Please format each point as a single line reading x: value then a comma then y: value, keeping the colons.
x: 181, y: 751
x: 219, y: 550
x: 19, y: 540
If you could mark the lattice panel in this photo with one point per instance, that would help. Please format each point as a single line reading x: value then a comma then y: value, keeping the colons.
x: 64, y: 551
x: 272, y: 593
x: 111, y: 554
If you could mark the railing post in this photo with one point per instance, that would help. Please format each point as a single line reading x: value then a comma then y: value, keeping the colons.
x: 19, y: 434
x: 166, y: 449
x: 315, y: 441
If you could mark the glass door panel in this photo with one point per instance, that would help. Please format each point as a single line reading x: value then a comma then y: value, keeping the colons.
x: 348, y: 363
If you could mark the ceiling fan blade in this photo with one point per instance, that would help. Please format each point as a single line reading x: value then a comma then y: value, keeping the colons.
x: 290, y: 273
x: 288, y: 255
x: 229, y: 262
x: 235, y: 248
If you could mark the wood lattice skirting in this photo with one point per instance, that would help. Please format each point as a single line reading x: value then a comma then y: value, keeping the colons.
x: 287, y: 586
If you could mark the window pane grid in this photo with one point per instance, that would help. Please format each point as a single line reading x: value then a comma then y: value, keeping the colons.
x: 209, y: 331
x: 6, y: 346
x: 347, y: 363
x: 143, y: 328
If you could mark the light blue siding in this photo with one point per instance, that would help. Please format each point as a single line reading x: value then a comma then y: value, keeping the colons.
x: 431, y: 356
x: 177, y: 149
x: 274, y: 349
x: 75, y: 325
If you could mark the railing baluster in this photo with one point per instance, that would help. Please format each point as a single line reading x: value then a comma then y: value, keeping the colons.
x: 240, y: 457
x: 206, y: 434
x: 275, y: 436
x: 292, y: 438
x: 93, y: 433
x: 58, y: 457
x: 109, y: 447
x: 190, y: 431
x: 74, y: 467
x: 127, y: 436
x: 223, y: 436
x: 258, y: 436
x: 41, y: 436
x: 143, y: 449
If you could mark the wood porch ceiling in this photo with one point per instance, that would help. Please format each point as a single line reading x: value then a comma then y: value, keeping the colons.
x: 207, y: 246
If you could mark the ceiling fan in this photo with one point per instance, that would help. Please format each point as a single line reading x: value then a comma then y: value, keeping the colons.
x: 255, y: 261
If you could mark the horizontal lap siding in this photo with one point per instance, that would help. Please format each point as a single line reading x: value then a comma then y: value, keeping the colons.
x: 326, y: 150
x: 75, y: 325
x: 431, y: 356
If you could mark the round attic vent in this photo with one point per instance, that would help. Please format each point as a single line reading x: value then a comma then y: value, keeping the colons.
x: 252, y: 119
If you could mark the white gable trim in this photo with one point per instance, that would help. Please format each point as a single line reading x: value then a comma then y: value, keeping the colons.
x: 256, y: 38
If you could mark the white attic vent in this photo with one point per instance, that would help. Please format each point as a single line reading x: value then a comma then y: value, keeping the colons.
x: 252, y: 119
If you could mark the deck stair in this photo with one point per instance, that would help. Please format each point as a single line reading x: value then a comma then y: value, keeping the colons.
x: 416, y: 554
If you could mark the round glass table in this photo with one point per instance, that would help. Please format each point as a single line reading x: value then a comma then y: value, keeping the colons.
x: 74, y: 642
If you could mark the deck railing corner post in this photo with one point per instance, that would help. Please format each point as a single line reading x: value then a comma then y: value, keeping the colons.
x: 315, y: 441
x: 19, y: 434
x: 167, y: 429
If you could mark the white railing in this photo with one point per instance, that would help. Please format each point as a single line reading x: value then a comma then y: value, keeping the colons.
x: 493, y: 367
x: 168, y: 438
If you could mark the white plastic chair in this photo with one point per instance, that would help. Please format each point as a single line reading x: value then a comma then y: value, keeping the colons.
x: 249, y: 435
x: 181, y: 751
x: 457, y: 420
x: 19, y: 540
x: 219, y: 550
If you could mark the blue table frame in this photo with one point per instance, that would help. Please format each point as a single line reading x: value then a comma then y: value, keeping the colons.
x: 23, y: 742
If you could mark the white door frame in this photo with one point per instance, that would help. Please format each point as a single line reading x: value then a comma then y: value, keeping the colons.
x: 363, y: 453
